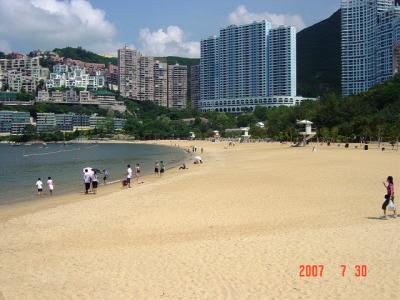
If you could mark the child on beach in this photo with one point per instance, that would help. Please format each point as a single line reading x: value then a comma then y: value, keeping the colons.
x: 137, y: 172
x: 128, y: 175
x: 157, y: 168
x: 50, y: 185
x: 389, y: 197
x: 87, y: 179
x: 162, y: 168
x: 106, y: 175
x: 39, y: 186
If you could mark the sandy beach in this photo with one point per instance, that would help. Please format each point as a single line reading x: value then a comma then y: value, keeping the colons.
x: 238, y: 226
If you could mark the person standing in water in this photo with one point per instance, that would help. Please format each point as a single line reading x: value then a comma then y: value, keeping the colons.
x: 128, y: 175
x: 389, y: 194
x: 95, y: 182
x: 39, y: 186
x: 105, y: 177
x: 137, y: 172
x: 50, y: 185
x: 157, y: 168
x: 162, y: 168
x: 86, y: 180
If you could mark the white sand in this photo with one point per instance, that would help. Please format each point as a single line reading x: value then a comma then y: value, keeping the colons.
x: 237, y: 227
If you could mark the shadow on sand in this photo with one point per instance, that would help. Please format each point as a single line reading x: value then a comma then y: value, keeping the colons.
x: 383, y: 218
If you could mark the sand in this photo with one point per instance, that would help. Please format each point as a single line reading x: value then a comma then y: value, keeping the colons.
x: 237, y: 227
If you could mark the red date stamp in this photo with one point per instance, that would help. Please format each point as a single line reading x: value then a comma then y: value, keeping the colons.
x: 312, y: 270
x: 318, y: 270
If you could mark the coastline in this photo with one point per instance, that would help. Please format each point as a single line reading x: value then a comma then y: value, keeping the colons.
x: 238, y: 226
x: 20, y: 208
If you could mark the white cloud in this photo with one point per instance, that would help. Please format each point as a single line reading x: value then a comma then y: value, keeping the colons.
x: 46, y: 24
x: 171, y: 41
x: 242, y: 16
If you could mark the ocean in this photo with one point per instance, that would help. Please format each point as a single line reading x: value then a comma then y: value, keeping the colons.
x: 21, y: 166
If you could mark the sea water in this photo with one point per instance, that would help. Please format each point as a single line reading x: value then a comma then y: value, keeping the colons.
x: 21, y: 166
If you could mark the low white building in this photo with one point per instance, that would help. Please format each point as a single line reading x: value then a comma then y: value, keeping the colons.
x: 43, y: 96
x: 241, y: 104
x: 74, y: 77
x: 18, y: 82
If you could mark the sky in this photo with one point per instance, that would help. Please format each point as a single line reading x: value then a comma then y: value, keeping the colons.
x: 154, y: 27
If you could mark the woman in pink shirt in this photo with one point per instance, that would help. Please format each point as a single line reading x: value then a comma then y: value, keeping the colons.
x: 389, y: 194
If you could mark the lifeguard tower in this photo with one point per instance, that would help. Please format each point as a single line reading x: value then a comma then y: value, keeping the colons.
x: 307, y: 134
x: 216, y: 136
x: 242, y: 131
x: 245, y: 138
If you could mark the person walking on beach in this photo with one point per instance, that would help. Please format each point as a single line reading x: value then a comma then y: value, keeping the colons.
x: 389, y: 197
x: 105, y: 176
x: 50, y: 185
x: 162, y: 168
x: 128, y: 176
x: 95, y: 181
x: 157, y: 168
x: 39, y: 186
x: 86, y: 180
x: 137, y: 172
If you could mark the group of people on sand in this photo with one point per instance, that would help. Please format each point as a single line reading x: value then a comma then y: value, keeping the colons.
x: 134, y: 175
x: 91, y: 179
x: 159, y: 168
x: 50, y: 186
x: 130, y: 175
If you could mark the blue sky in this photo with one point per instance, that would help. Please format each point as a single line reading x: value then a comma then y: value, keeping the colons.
x: 155, y: 27
x: 201, y: 18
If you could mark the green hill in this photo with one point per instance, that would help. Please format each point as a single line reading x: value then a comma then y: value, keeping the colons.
x: 88, y: 56
x: 318, y: 58
x: 84, y: 55
x: 172, y: 60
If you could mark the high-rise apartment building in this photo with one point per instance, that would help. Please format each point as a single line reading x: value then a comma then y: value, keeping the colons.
x: 161, y: 83
x: 209, y: 78
x: 143, y: 78
x: 368, y: 40
x: 195, y: 85
x: 282, y: 61
x: 128, y: 64
x: 177, y: 86
x: 247, y: 66
x: 146, y: 78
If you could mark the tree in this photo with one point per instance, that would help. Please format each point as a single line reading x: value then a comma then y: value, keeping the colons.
x: 335, y: 133
x: 325, y: 133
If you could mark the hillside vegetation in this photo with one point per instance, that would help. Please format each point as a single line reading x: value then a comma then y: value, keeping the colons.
x: 368, y: 116
x: 84, y: 55
x: 318, y: 58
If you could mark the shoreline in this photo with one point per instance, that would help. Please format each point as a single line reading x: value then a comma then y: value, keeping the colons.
x: 36, y: 203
